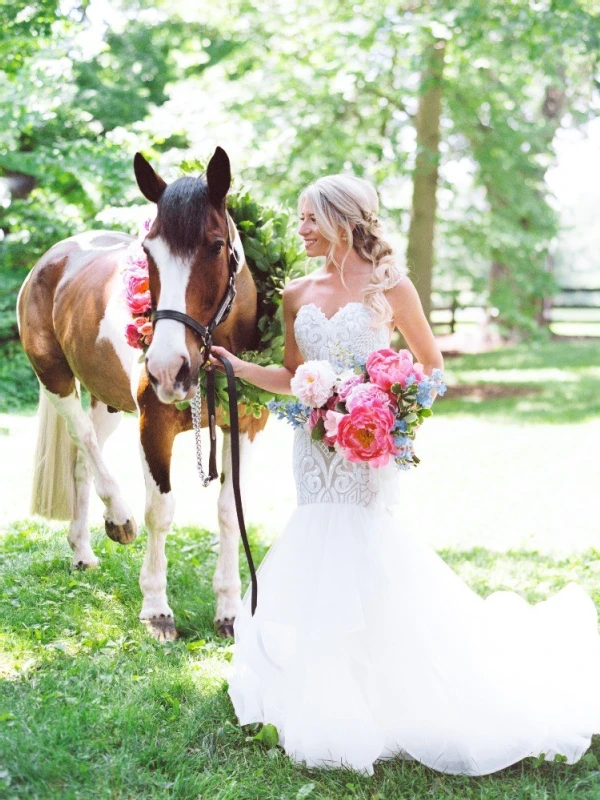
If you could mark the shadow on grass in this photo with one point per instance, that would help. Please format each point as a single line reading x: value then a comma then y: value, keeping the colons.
x: 552, y: 382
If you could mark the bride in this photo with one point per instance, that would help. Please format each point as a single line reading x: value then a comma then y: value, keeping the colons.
x: 365, y: 645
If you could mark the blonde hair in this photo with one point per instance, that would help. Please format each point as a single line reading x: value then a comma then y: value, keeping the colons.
x: 346, y: 206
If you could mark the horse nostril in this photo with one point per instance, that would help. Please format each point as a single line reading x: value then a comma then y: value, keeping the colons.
x: 151, y: 377
x: 184, y: 376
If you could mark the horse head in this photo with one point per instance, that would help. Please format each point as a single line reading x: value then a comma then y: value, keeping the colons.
x: 193, y: 254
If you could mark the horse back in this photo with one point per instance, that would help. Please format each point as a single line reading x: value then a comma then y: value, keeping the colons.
x: 72, y: 318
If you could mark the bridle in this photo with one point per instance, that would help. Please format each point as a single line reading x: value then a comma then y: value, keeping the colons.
x: 205, y: 332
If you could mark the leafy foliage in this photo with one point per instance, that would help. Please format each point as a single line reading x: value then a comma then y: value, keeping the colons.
x: 511, y: 70
x: 23, y: 24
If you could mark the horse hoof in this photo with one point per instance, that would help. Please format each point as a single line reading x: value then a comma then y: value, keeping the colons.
x: 83, y: 565
x: 161, y: 628
x: 225, y: 627
x: 123, y: 534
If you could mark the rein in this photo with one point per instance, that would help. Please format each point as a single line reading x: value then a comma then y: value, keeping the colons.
x: 205, y: 332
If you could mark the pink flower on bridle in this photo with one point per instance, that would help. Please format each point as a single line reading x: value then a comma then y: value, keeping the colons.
x: 138, y: 332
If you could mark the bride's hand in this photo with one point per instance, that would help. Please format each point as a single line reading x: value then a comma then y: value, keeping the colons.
x: 236, y: 363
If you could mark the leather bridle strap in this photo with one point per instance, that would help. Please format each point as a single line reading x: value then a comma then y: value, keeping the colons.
x: 205, y: 332
x: 179, y: 316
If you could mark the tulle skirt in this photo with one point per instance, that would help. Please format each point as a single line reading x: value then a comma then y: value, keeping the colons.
x: 365, y: 645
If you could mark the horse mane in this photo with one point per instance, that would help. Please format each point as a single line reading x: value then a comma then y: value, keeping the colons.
x: 182, y: 209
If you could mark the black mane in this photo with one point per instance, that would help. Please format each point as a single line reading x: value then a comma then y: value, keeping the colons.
x: 182, y: 210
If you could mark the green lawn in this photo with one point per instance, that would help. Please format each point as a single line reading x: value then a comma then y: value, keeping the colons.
x: 92, y: 708
x: 554, y: 381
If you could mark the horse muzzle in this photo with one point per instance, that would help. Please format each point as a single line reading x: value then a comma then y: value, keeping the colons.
x: 172, y: 383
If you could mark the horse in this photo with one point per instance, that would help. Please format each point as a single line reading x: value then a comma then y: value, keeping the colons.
x: 72, y: 317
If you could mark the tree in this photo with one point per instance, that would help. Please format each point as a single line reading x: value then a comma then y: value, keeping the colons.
x: 67, y: 125
x: 352, y: 90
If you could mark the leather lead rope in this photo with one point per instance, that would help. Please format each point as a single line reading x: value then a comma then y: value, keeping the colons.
x: 212, y: 423
x: 234, y: 424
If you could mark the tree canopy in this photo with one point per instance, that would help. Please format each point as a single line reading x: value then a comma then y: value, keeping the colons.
x: 451, y: 111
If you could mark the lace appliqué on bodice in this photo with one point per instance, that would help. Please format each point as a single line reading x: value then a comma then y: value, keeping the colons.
x: 341, y: 338
x: 323, y: 476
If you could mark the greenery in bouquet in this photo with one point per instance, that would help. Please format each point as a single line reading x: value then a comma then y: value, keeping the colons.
x: 370, y: 412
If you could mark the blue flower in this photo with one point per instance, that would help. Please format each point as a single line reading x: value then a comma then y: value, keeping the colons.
x: 401, y: 441
x: 437, y: 381
x: 292, y: 411
x: 399, y: 425
x: 424, y: 397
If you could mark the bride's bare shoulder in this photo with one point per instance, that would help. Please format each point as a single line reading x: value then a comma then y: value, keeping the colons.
x: 403, y: 293
x: 297, y: 292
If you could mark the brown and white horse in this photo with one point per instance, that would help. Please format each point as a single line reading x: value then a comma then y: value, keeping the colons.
x: 72, y: 319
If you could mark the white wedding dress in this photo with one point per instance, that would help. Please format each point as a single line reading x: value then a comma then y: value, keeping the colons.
x: 365, y: 645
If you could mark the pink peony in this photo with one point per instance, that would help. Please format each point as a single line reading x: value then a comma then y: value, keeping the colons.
x: 367, y: 394
x: 364, y: 435
x: 331, y: 421
x: 139, y: 302
x: 313, y: 383
x: 133, y: 335
x: 386, y: 367
x: 347, y: 382
x: 137, y: 280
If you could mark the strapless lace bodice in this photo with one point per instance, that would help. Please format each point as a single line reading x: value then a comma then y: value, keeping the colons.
x: 322, y: 476
x: 341, y: 338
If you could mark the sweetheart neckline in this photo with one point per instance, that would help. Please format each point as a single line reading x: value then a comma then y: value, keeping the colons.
x: 333, y: 316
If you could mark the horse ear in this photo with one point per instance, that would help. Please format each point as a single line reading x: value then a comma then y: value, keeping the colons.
x: 151, y: 185
x: 218, y: 177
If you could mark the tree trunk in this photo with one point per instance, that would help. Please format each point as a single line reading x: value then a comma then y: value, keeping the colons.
x: 419, y: 253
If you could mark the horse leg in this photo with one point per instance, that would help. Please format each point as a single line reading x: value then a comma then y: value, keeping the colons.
x: 226, y: 581
x: 158, y: 428
x: 79, y: 533
x: 119, y: 523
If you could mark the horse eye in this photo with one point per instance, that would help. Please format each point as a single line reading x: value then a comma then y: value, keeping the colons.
x: 216, y: 248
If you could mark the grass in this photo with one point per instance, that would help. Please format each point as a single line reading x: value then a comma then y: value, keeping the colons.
x: 564, y: 379
x: 91, y: 707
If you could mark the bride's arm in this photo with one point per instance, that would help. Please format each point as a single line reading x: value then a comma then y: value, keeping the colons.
x: 412, y: 323
x: 272, y: 379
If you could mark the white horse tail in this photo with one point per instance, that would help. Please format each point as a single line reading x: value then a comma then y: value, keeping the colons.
x: 53, y: 491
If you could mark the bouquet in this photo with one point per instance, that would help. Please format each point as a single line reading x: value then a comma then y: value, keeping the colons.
x: 370, y: 413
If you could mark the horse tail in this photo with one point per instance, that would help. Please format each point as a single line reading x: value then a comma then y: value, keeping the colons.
x: 53, y: 491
